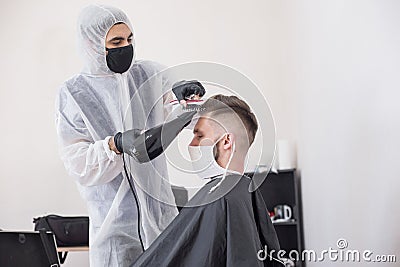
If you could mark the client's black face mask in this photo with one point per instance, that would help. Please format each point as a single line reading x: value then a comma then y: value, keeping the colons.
x: 119, y: 59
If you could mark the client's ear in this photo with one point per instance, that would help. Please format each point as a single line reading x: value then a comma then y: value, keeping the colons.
x: 228, y: 141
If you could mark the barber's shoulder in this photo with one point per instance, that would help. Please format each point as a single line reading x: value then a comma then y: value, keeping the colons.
x: 72, y: 81
x: 64, y: 91
x: 70, y: 85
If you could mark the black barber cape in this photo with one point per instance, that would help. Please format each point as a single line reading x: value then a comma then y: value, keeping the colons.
x: 229, y: 231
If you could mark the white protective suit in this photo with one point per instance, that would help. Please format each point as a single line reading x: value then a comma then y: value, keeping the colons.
x: 90, y: 108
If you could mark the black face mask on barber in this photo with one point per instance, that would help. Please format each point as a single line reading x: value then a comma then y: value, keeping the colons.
x: 119, y: 59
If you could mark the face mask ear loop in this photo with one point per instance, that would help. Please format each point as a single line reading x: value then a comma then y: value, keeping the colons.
x: 226, y: 170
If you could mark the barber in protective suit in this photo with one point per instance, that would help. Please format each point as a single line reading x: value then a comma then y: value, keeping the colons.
x: 96, y: 122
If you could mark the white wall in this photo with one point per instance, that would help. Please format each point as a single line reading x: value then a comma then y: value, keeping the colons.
x: 347, y: 87
x: 328, y: 70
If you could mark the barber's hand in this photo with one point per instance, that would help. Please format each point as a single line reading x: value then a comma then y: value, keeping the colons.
x: 128, y: 135
x: 184, y: 90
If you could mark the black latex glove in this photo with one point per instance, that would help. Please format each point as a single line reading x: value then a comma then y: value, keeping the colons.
x: 185, y: 89
x: 153, y: 142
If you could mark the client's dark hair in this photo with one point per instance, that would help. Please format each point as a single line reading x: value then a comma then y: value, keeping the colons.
x: 219, y: 104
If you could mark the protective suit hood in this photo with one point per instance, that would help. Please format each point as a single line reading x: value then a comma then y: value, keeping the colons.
x: 94, y: 22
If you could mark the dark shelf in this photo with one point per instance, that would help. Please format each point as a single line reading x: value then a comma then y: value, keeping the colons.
x: 284, y: 188
x: 285, y: 223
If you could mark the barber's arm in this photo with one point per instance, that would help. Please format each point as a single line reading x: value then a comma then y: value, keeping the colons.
x: 153, y: 142
x: 146, y: 146
x: 90, y: 162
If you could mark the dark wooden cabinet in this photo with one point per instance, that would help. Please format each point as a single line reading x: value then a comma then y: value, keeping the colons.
x: 284, y: 188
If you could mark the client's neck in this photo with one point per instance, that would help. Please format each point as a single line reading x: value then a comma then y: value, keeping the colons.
x: 236, y: 164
